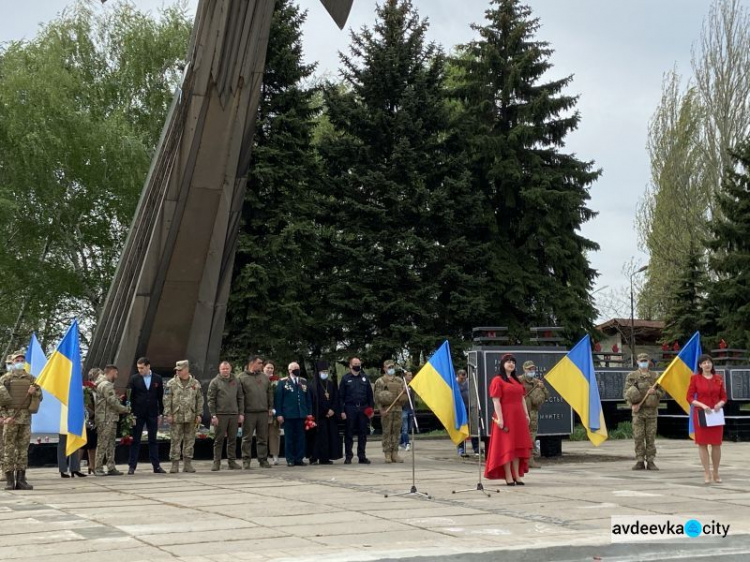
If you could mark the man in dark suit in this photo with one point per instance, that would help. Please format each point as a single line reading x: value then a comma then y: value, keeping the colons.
x: 292, y: 404
x: 147, y: 403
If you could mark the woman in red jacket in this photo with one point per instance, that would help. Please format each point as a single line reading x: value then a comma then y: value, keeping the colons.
x: 707, y: 392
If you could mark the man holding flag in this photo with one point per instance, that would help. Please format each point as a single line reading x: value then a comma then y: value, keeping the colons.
x: 19, y: 397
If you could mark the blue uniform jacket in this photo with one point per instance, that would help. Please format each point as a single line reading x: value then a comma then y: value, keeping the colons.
x: 292, y: 400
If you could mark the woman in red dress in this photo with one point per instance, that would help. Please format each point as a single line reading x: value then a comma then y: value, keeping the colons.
x: 510, y: 440
x: 707, y: 392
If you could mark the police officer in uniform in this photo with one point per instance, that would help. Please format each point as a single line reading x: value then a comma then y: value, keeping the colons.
x: 536, y: 395
x: 638, y: 385
x: 17, y: 422
x: 183, y: 406
x: 355, y: 396
x: 388, y: 388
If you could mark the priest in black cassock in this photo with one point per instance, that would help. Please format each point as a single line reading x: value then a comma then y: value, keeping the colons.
x: 326, y: 441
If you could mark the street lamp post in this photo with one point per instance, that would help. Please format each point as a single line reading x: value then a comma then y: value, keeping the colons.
x: 632, y: 316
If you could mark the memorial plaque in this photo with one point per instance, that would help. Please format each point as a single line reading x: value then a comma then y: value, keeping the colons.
x: 739, y: 387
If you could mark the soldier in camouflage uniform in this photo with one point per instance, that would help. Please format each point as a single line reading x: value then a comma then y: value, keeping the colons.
x: 387, y: 389
x: 183, y: 406
x: 108, y: 410
x: 536, y: 395
x: 3, y: 415
x: 638, y: 385
x: 17, y: 422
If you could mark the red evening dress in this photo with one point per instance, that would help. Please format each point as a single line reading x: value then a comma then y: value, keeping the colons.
x: 709, y: 392
x: 516, y: 442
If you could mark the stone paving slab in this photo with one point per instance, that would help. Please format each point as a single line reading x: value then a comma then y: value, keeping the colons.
x: 342, y: 512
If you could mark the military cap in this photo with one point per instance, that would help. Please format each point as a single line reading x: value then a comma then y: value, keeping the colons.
x: 19, y: 353
x: 389, y: 363
x: 528, y: 365
x: 180, y: 365
x: 643, y: 357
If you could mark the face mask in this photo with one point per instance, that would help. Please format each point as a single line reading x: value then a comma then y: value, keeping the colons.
x: 531, y: 373
x: 391, y: 371
x: 19, y: 366
x: 643, y: 364
x: 295, y: 372
x: 323, y: 376
x: 357, y: 368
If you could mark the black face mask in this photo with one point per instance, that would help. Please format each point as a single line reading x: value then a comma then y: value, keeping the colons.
x: 295, y: 372
x: 357, y: 368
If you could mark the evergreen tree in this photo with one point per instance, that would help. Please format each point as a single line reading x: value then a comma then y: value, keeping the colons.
x: 397, y: 195
x: 685, y: 308
x: 515, y: 125
x: 273, y: 308
x: 731, y: 245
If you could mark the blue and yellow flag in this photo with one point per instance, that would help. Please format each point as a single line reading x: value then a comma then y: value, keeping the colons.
x: 35, y: 357
x: 62, y: 378
x: 437, y: 386
x: 676, y: 377
x: 574, y: 379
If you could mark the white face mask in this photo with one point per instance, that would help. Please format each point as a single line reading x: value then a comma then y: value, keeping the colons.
x: 323, y: 376
x: 19, y: 366
x: 531, y: 373
x: 643, y: 364
x: 391, y: 371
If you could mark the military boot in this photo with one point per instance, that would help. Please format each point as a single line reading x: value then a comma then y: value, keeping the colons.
x: 651, y: 465
x: 533, y: 463
x: 395, y: 457
x: 188, y: 465
x: 175, y: 467
x: 388, y: 459
x: 640, y: 465
x: 21, y: 483
x: 10, y: 479
x: 216, y: 466
x: 233, y: 465
x: 246, y: 464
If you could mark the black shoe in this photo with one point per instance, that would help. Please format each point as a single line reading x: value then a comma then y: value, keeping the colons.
x: 131, y: 470
x: 519, y: 483
x: 348, y: 461
x: 365, y: 461
x: 326, y: 462
x: 159, y: 470
x: 64, y: 475
x: 300, y: 463
x: 510, y: 483
x: 290, y: 464
x: 79, y: 474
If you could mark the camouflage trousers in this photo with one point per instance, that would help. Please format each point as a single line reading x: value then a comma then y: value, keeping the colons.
x: 182, y: 435
x: 16, y: 438
x: 391, y: 423
x: 533, y: 428
x: 644, y: 435
x: 107, y: 439
x: 2, y: 460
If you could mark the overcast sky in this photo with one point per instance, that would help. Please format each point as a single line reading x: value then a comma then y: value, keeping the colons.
x: 617, y: 52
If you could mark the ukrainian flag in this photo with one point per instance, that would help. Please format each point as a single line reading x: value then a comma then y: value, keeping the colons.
x: 676, y: 377
x: 61, y: 377
x: 574, y: 379
x: 437, y: 386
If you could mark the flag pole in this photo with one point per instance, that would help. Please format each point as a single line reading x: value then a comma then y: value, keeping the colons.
x: 413, y: 490
x: 480, y: 430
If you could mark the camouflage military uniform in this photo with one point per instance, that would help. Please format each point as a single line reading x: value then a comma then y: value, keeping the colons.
x: 535, y: 397
x: 17, y: 432
x: 183, y: 401
x: 108, y: 410
x: 637, y: 384
x: 387, y: 388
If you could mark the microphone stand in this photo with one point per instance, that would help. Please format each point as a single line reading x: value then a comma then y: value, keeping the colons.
x: 480, y: 430
x: 413, y: 491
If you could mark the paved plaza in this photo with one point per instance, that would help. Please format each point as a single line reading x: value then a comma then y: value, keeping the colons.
x: 337, y: 513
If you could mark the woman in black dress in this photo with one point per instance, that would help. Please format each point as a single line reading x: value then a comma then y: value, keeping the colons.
x: 327, y: 441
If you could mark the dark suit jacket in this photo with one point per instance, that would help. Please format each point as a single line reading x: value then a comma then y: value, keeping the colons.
x: 146, y: 403
x: 293, y: 400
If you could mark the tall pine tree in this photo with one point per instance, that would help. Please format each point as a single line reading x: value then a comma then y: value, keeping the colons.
x: 685, y: 309
x: 273, y: 308
x: 397, y: 195
x: 731, y: 258
x: 515, y: 124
